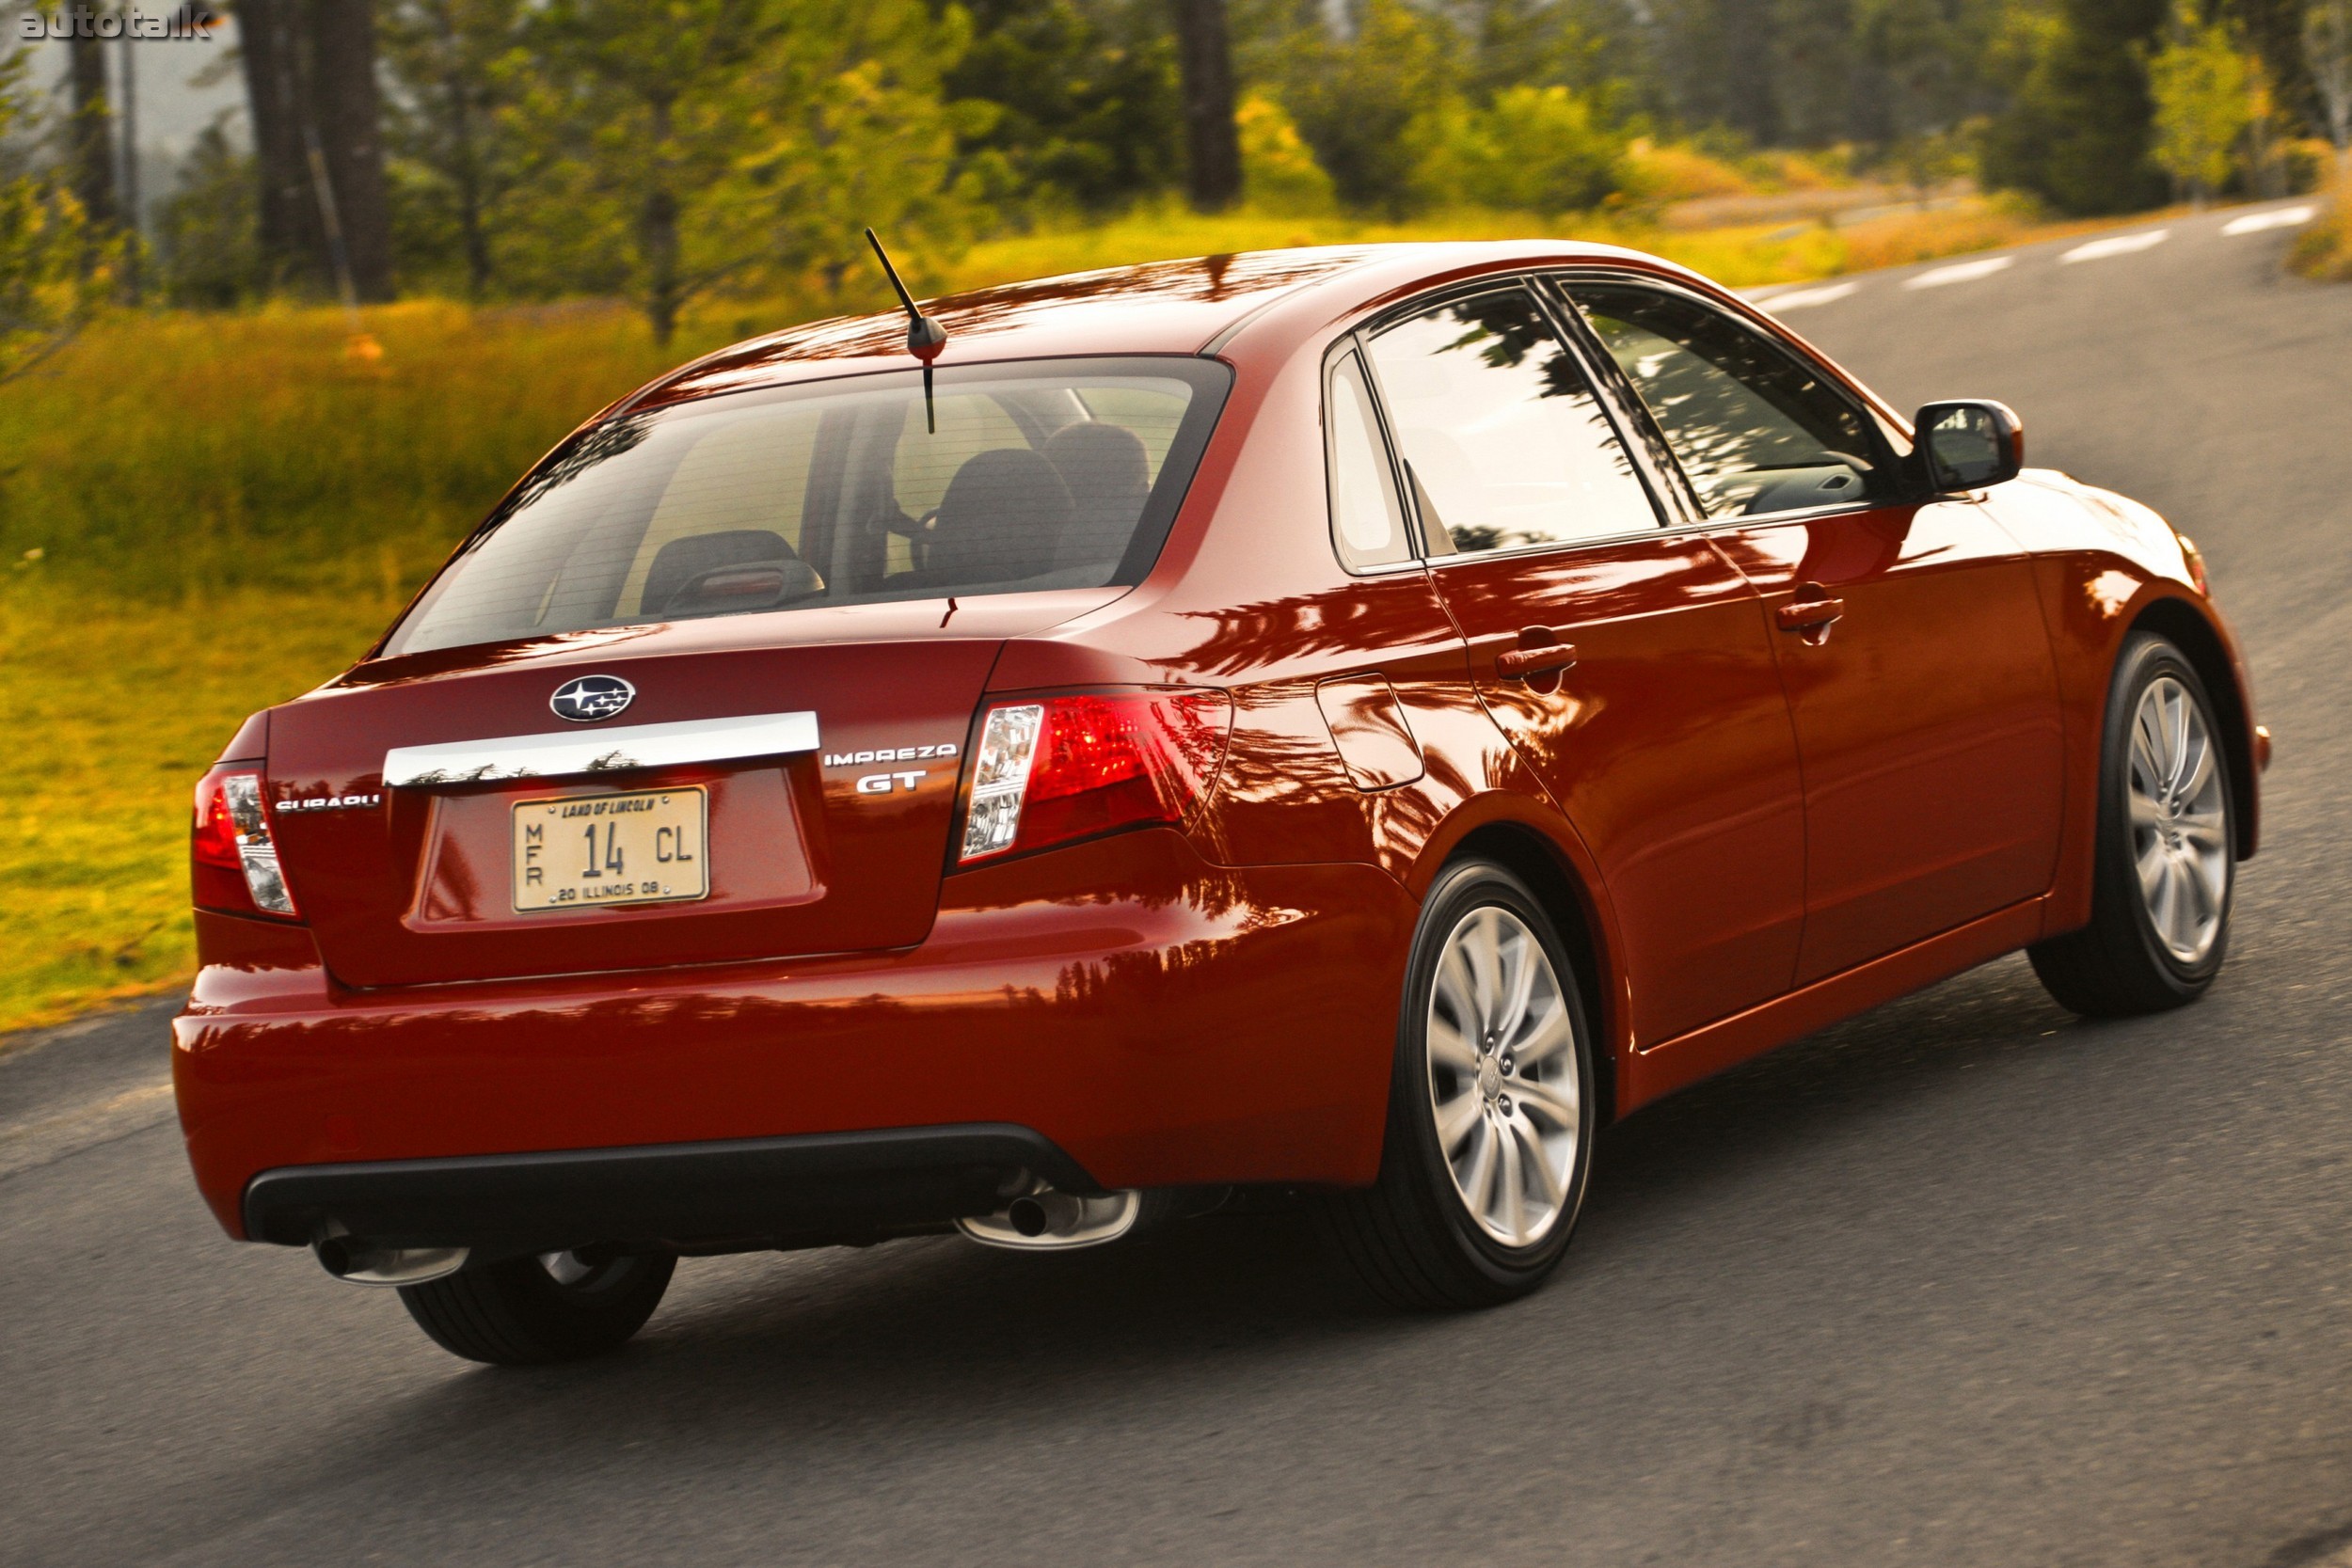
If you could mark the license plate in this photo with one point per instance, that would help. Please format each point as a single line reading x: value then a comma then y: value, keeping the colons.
x: 647, y: 848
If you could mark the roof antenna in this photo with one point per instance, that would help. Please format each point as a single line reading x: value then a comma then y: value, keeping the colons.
x: 925, y: 336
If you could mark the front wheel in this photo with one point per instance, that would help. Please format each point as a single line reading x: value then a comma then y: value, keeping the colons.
x: 1490, y: 1107
x: 529, y: 1311
x: 2165, y: 869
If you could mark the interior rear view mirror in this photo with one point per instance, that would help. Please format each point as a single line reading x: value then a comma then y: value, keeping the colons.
x: 1969, y: 444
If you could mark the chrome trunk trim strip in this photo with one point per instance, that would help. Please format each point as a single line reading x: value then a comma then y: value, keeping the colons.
x: 570, y: 752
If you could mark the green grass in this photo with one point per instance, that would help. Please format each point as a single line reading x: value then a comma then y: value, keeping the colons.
x: 204, y: 514
x: 113, y: 707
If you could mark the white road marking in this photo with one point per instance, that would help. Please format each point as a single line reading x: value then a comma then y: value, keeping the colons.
x: 2282, y: 217
x: 2119, y: 244
x: 1959, y: 272
x: 1803, y: 298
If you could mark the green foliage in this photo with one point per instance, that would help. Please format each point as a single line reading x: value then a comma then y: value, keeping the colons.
x: 1533, y: 150
x: 1516, y: 44
x: 1278, y: 171
x: 1366, y: 103
x: 453, y: 158
x: 205, y: 230
x: 2200, y: 84
x: 672, y: 151
x: 1088, y: 112
x: 56, y: 268
x: 2077, y: 127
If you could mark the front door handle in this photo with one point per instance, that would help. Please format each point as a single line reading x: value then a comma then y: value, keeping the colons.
x: 1518, y: 664
x: 1810, y: 618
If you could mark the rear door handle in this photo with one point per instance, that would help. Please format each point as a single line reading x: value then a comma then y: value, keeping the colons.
x: 1517, y: 664
x: 1809, y: 615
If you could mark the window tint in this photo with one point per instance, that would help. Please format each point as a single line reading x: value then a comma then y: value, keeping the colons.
x: 1506, y: 445
x: 1366, y: 519
x: 1755, y: 430
x: 1050, y: 475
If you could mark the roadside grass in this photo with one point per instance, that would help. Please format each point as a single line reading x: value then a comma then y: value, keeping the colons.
x: 204, y: 514
x: 2324, y: 251
x: 113, y: 707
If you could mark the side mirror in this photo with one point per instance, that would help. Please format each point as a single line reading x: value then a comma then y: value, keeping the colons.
x: 1969, y: 444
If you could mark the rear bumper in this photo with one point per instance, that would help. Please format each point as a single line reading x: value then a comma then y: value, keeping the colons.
x: 1199, y: 1025
x: 819, y: 1186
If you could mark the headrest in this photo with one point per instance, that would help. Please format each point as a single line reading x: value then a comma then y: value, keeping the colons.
x: 1002, y: 520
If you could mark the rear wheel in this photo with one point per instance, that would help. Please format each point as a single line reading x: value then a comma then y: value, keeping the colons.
x: 2166, y: 867
x: 529, y: 1311
x: 1491, y: 1108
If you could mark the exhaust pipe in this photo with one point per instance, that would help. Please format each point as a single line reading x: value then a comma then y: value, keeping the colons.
x: 357, y: 1262
x: 1047, y: 1221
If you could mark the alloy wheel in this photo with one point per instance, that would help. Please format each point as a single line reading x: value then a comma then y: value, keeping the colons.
x: 2180, y: 820
x: 1503, y: 1079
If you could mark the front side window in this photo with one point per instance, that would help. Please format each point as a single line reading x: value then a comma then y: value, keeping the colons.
x: 1755, y: 430
x: 1049, y: 474
x: 1504, y: 442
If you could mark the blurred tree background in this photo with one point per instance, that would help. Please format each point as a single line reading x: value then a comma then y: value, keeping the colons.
x: 668, y: 151
x: 433, y: 234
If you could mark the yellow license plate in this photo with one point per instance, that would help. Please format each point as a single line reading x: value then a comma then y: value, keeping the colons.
x: 647, y: 848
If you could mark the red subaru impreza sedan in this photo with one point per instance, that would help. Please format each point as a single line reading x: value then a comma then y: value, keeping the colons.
x: 1339, y: 722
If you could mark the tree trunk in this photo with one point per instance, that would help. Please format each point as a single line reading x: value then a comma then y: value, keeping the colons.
x: 1206, y: 58
x: 657, y: 237
x: 92, y: 136
x: 292, y: 244
x: 466, y: 160
x: 342, y: 89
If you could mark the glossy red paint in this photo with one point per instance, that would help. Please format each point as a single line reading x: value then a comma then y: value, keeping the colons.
x: 1133, y: 1003
x: 1927, y: 717
x: 1752, y: 831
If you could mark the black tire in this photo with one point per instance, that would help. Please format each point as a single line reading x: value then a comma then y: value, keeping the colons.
x: 2119, y: 966
x: 517, y: 1313
x: 1411, y: 1237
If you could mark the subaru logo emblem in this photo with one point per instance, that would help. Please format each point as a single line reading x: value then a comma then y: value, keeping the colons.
x: 585, y: 699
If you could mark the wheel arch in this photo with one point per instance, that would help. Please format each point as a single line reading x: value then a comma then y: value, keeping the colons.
x: 2179, y: 623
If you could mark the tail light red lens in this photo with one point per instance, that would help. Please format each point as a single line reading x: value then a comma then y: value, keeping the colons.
x: 1054, y: 768
x: 234, y: 858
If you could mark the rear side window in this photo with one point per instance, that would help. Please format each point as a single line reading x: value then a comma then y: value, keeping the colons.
x: 1047, y: 474
x: 1504, y: 442
x: 1367, y: 523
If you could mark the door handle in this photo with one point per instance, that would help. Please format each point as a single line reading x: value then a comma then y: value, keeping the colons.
x: 1813, y: 615
x: 1517, y: 664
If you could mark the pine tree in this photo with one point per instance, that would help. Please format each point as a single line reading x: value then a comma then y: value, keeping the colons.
x: 2079, y: 124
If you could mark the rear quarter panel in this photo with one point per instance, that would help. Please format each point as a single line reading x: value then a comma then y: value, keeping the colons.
x: 1249, y: 596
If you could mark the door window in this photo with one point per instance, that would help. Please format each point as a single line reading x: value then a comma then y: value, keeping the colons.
x: 1504, y: 442
x: 1755, y: 430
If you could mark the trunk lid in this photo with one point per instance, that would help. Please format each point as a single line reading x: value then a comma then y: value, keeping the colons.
x: 834, y: 841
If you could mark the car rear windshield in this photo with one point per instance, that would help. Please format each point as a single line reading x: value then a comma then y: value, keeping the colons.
x: 1010, y: 478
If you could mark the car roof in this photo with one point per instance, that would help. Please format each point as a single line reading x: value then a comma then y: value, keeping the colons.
x: 1177, y: 307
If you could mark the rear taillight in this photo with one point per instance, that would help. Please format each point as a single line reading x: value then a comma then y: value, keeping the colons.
x: 1053, y: 769
x: 235, y: 860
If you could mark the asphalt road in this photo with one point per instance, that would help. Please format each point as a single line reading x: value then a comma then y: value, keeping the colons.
x: 1965, y: 1281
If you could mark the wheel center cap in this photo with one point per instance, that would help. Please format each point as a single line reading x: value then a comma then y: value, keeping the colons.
x: 1490, y: 1078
